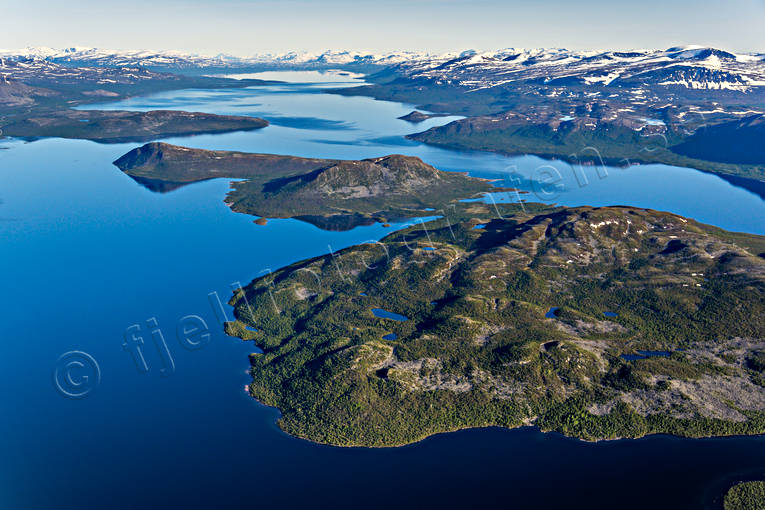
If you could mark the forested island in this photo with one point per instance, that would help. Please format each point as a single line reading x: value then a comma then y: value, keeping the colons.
x: 114, y: 126
x: 331, y: 194
x: 599, y: 323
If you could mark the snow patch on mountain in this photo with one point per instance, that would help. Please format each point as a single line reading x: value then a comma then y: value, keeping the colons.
x: 693, y: 67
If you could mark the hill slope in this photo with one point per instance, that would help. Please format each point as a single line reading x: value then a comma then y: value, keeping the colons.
x: 730, y: 148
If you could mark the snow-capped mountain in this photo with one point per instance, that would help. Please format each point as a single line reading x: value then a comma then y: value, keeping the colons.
x: 691, y: 67
x: 94, y: 57
x: 77, y: 56
x: 41, y: 71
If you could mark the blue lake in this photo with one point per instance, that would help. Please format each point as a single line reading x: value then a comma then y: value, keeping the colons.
x: 646, y: 354
x: 86, y: 253
x: 385, y: 314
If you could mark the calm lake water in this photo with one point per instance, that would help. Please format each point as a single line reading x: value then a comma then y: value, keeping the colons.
x: 86, y: 253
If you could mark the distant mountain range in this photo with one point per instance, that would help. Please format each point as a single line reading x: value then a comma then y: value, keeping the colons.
x: 178, y: 61
x: 693, y: 67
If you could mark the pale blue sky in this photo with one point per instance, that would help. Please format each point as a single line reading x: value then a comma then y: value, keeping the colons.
x: 246, y: 27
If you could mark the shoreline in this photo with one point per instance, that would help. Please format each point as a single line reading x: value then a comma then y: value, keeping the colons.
x: 756, y: 186
x: 529, y: 425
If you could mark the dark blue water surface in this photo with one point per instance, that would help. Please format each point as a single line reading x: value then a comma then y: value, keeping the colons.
x: 385, y: 314
x: 646, y: 354
x: 86, y: 253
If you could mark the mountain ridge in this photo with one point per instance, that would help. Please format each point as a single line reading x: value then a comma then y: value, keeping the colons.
x: 422, y: 64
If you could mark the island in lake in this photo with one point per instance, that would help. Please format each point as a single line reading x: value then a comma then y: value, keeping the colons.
x: 599, y: 323
x: 331, y: 194
x: 416, y: 116
x: 114, y: 126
